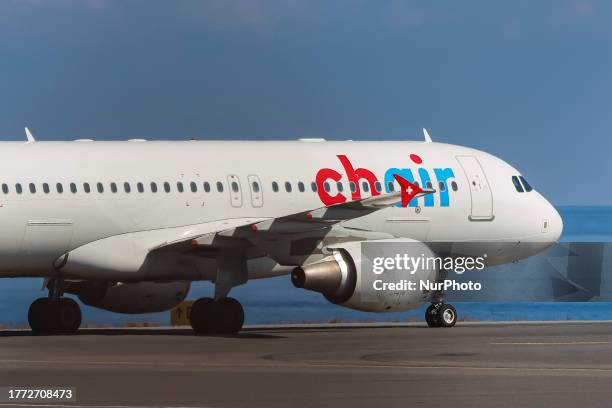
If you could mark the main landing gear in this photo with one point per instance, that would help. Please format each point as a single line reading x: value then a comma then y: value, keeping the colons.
x: 221, y: 316
x: 54, y: 314
x: 441, y: 315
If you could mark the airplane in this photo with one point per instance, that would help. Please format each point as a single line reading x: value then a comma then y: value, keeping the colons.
x: 126, y: 226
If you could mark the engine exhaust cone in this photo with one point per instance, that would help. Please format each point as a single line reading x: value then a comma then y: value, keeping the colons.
x: 298, y: 277
x: 323, y: 277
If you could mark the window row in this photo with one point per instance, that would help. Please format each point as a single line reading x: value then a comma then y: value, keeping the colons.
x: 207, y: 187
x: 365, y: 186
x: 115, y: 187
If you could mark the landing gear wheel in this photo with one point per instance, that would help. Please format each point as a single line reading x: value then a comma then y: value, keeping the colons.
x: 432, y: 317
x: 202, y: 316
x: 229, y: 316
x: 39, y: 317
x: 447, y: 315
x: 223, y: 316
x: 68, y: 315
x: 48, y: 316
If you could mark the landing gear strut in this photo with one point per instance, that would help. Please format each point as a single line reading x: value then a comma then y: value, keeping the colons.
x: 441, y: 315
x: 54, y: 314
x: 221, y: 316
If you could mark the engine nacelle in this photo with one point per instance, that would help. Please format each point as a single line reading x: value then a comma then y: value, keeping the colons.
x: 339, y: 277
x: 133, y: 298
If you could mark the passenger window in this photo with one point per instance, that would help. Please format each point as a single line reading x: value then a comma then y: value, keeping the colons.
x: 275, y: 186
x: 59, y: 187
x: 100, y: 187
x: 5, y: 188
x: 429, y: 185
x: 18, y: 188
x: 287, y: 186
x: 113, y: 187
x: 377, y: 186
x: 353, y: 187
x: 73, y: 188
x: 32, y: 188
x: 46, y: 188
x: 454, y: 186
x: 255, y: 187
x: 327, y: 187
x: 314, y: 187
x: 179, y: 187
x: 153, y: 187
x: 301, y: 187
x: 166, y: 187
x: 528, y: 187
x: 442, y: 186
x: 86, y: 188
x: 517, y: 184
x: 366, y: 186
x: 127, y: 187
x: 194, y: 187
x: 340, y: 186
x: 234, y: 187
x: 219, y: 186
x: 140, y: 187
x: 390, y: 186
x: 206, y: 187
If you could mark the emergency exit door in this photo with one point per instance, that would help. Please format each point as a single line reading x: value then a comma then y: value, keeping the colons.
x: 235, y: 190
x: 256, y: 191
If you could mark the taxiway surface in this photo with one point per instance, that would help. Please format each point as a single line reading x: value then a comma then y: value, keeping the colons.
x: 501, y: 365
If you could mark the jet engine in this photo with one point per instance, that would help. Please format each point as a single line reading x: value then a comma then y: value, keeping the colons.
x: 133, y: 298
x: 347, y: 277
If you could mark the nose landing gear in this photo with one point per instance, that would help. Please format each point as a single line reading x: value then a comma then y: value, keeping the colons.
x: 441, y: 315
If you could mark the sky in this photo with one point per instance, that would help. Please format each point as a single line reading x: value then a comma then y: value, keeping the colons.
x: 527, y: 81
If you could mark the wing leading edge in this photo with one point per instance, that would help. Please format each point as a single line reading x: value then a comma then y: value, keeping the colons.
x: 305, y: 221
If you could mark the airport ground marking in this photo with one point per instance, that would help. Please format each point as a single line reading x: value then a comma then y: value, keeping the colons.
x: 320, y: 364
x: 95, y: 406
x: 560, y: 343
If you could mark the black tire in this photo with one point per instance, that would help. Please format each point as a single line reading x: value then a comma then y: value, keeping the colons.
x: 229, y: 316
x: 431, y: 316
x: 42, y: 316
x: 202, y: 316
x: 447, y: 315
x: 36, y: 315
x: 68, y: 316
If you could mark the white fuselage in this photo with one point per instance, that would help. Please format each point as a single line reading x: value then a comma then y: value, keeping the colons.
x: 40, y: 224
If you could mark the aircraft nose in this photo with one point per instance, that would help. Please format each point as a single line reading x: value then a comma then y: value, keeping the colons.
x: 554, y: 229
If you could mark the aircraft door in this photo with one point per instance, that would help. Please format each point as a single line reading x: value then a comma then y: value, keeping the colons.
x: 480, y: 191
x: 45, y: 241
x: 11, y: 240
x: 233, y: 183
x: 256, y: 191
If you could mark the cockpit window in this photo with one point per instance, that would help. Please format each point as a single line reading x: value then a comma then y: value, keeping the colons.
x: 517, y: 184
x: 528, y: 187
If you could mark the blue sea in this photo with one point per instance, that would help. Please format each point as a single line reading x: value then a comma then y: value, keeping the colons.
x: 277, y: 301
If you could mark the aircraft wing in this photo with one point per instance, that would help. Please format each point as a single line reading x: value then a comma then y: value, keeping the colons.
x: 288, y: 239
x: 299, y: 223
